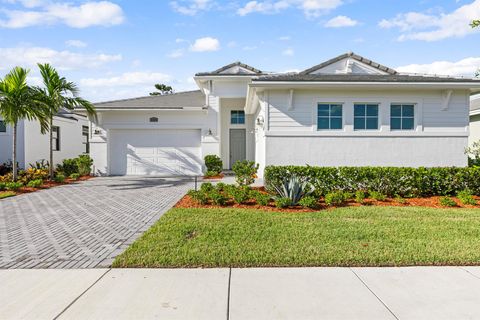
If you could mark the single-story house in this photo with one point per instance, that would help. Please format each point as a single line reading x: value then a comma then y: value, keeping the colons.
x: 347, y: 111
x: 70, y: 139
x: 474, y: 119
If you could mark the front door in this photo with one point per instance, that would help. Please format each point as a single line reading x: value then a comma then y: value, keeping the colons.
x: 238, y: 145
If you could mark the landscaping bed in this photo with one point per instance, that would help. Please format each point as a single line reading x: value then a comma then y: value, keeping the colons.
x: 349, y: 236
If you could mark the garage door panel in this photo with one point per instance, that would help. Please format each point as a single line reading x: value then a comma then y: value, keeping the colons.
x: 155, y: 152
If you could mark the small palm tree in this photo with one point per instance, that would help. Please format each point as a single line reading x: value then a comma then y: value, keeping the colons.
x: 58, y: 93
x: 18, y: 101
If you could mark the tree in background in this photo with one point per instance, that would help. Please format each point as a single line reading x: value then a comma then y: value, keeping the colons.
x: 19, y: 101
x: 162, y: 90
x: 58, y: 93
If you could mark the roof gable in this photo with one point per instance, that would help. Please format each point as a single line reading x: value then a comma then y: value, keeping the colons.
x: 349, y: 63
x: 236, y: 68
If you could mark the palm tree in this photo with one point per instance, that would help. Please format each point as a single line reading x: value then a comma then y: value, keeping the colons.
x: 18, y: 101
x: 58, y: 93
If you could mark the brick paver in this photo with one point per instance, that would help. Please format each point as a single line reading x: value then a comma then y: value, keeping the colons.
x: 82, y: 225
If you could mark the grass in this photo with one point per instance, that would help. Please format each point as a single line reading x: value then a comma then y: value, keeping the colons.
x: 353, y: 236
x: 6, y: 194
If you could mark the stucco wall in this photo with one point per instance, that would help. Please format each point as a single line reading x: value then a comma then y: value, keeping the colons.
x: 474, y: 129
x: 6, y: 143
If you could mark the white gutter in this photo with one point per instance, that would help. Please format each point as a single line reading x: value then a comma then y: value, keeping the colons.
x: 475, y: 112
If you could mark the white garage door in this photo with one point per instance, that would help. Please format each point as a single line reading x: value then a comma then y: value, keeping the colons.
x: 155, y: 152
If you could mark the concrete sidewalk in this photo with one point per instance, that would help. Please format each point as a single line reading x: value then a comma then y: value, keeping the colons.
x: 268, y: 293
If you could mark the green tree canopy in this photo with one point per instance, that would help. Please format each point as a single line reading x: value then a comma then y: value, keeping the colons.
x: 163, y: 89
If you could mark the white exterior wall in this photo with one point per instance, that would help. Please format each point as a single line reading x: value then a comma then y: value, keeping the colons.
x: 6, y: 143
x: 474, y: 129
x: 439, y: 138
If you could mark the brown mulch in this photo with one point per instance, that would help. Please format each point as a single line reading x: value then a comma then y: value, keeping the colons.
x: 429, y: 202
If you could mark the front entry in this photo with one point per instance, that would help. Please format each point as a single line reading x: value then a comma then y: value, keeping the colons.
x: 238, y: 145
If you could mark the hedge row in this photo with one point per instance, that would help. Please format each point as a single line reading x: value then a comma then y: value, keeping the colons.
x: 391, y: 181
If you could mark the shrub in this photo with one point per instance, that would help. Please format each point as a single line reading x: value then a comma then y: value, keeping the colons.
x: 207, y: 187
x: 35, y: 183
x: 59, y: 178
x: 466, y: 197
x: 218, y: 198
x: 245, y: 172
x: 336, y: 198
x: 309, y: 202
x: 400, y: 200
x: 447, y: 202
x: 7, y: 194
x: 375, y: 195
x: 67, y: 167
x: 360, y: 196
x: 283, y: 202
x: 406, y: 182
x: 221, y: 186
x: 2, y: 186
x: 6, y: 178
x: 33, y: 174
x: 6, y: 167
x: 209, y: 174
x: 239, y: 194
x: 42, y: 164
x: 74, y: 176
x: 294, y: 188
x: 214, y: 164
x: 84, y: 165
x: 262, y: 199
x: 13, y: 186
x: 198, y: 196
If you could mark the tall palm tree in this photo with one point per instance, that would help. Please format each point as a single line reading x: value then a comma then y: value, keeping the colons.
x: 57, y: 94
x: 18, y: 101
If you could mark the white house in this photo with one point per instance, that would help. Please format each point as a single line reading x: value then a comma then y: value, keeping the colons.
x: 474, y: 119
x: 348, y: 111
x: 71, y: 138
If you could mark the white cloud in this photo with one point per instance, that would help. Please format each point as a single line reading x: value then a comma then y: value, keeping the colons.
x: 190, y: 7
x: 464, y: 67
x: 341, y: 21
x: 288, y: 52
x: 205, y: 44
x: 30, y: 56
x: 178, y: 53
x: 311, y: 8
x: 429, y: 27
x: 284, y: 38
x: 127, y: 79
x: 232, y: 44
x: 76, y: 43
x: 101, y: 13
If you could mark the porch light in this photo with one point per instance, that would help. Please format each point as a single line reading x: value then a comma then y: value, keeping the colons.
x: 260, y: 121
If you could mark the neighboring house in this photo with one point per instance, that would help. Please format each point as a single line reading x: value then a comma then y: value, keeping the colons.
x: 348, y: 111
x: 71, y: 138
x: 474, y: 119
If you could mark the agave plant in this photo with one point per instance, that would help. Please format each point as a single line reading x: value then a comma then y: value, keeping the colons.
x: 294, y: 188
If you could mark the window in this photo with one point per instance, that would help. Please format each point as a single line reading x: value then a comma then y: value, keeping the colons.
x: 237, y: 117
x: 329, y: 116
x: 402, y: 116
x: 85, y: 139
x: 365, y: 116
x: 3, y: 126
x: 56, y: 138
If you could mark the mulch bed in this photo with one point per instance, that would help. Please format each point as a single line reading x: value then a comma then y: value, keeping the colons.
x: 430, y: 202
x: 218, y: 177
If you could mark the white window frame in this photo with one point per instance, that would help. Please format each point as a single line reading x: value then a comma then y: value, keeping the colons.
x: 379, y: 117
x: 329, y: 130
x: 415, y: 116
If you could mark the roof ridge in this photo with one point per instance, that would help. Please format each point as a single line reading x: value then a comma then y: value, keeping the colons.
x: 233, y: 64
x: 144, y: 97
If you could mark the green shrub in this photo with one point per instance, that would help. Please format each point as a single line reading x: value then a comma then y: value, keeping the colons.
x: 336, y: 198
x: 309, y: 202
x: 375, y: 195
x: 466, y: 197
x: 214, y: 164
x: 390, y: 181
x: 294, y: 188
x: 221, y: 186
x: 30, y: 174
x: 2, y: 186
x: 218, y: 198
x: 74, y: 176
x: 245, y: 172
x: 59, y: 178
x: 67, y: 167
x: 35, y: 183
x: 84, y: 165
x: 262, y: 199
x: 400, y: 200
x: 447, y: 202
x: 239, y: 194
x: 207, y: 187
x: 360, y: 196
x: 283, y: 202
x: 198, y: 196
x: 7, y: 194
x: 210, y: 174
x: 13, y: 186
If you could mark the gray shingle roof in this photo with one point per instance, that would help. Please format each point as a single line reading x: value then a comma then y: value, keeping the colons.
x: 179, y: 100
x: 360, y: 78
x: 353, y: 56
x: 220, y: 71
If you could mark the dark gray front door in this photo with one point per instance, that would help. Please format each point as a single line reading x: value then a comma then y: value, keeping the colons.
x: 238, y: 145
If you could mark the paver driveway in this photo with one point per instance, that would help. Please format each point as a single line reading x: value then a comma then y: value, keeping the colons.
x: 82, y: 225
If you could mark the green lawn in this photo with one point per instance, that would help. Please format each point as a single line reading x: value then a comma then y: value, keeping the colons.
x: 354, y: 236
x: 7, y: 194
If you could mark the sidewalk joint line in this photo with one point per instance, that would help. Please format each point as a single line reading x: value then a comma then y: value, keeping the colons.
x: 228, y: 292
x: 378, y: 298
x: 81, y: 294
x: 473, y: 275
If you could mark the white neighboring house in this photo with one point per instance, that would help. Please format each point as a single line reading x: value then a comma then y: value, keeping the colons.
x: 71, y: 139
x: 474, y: 119
x: 348, y: 111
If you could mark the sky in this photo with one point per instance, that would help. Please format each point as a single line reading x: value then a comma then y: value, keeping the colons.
x: 120, y: 49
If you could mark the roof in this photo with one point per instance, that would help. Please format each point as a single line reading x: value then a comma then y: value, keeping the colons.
x: 362, y: 78
x: 352, y: 56
x: 179, y: 100
x: 239, y: 72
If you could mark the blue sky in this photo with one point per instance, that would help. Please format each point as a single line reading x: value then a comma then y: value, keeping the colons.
x: 118, y: 49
